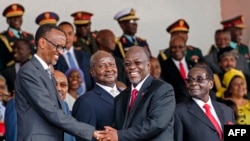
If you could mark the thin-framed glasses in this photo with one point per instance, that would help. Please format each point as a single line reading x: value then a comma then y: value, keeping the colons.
x: 198, y: 79
x: 59, y: 48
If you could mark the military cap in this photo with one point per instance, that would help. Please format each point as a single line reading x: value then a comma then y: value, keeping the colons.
x: 234, y: 22
x: 126, y: 14
x: 82, y: 17
x: 13, y: 10
x: 47, y: 18
x: 179, y: 25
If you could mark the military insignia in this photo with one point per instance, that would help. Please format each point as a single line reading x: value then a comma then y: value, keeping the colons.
x: 11, y: 34
x: 195, y: 58
x: 181, y: 23
x: 79, y: 14
x: 11, y: 43
x: 14, y: 7
x: 132, y: 12
x: 124, y: 40
x: 47, y: 15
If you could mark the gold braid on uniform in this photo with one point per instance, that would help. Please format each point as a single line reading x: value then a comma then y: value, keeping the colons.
x: 6, y: 42
x: 120, y: 47
x: 163, y: 55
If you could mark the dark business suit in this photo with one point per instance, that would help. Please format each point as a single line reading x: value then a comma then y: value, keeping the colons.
x: 151, y: 118
x: 96, y: 108
x: 39, y: 107
x: 171, y: 74
x: 83, y: 60
x: 191, y: 123
x: 10, y: 75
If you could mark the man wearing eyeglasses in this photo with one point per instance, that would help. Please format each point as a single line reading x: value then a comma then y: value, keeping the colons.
x: 128, y: 23
x: 209, y: 116
x: 38, y: 103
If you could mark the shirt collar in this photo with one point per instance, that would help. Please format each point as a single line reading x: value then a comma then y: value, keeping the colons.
x: 139, y: 85
x: 45, y: 66
x: 15, y: 32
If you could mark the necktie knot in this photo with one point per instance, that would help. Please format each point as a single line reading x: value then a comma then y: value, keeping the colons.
x: 134, y: 92
x: 206, y: 107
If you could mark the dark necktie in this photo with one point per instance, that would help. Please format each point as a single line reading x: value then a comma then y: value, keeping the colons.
x: 182, y: 70
x: 133, y: 97
x: 213, y: 120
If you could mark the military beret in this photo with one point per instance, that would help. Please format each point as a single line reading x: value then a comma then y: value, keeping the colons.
x: 13, y: 10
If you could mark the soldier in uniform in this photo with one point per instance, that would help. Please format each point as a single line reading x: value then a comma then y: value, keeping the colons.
x: 128, y: 23
x: 85, y: 38
x: 47, y: 17
x: 235, y: 26
x: 181, y: 28
x: 13, y: 14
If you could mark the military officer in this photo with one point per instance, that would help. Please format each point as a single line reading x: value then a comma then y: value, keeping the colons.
x: 181, y: 28
x: 47, y: 17
x: 85, y: 38
x: 13, y: 14
x: 235, y: 26
x: 127, y: 20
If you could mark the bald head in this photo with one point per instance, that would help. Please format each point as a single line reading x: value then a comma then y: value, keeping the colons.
x: 141, y: 50
x: 106, y: 40
x: 61, y: 83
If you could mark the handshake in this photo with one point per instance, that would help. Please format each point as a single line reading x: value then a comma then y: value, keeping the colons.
x: 109, y: 134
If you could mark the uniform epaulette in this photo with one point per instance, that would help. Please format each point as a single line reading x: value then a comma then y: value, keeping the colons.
x: 163, y: 55
x: 117, y: 39
x: 120, y: 47
x: 6, y: 42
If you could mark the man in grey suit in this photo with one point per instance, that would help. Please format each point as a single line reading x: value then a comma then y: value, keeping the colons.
x: 39, y: 108
x: 145, y: 110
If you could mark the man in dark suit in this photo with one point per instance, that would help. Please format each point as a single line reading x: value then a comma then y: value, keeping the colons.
x: 80, y: 58
x: 13, y: 14
x: 128, y: 23
x: 38, y: 103
x: 175, y: 68
x: 96, y: 107
x: 209, y: 116
x: 85, y: 38
x: 144, y: 111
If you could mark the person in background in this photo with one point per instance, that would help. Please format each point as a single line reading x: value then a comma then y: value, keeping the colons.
x: 235, y: 89
x: 96, y: 107
x: 14, y: 17
x: 127, y: 21
x: 3, y: 92
x: 41, y: 98
x: 85, y: 38
x: 106, y: 41
x: 47, y: 17
x: 208, y: 115
x: 62, y: 88
x: 22, y: 52
x: 181, y: 28
x: 74, y: 76
x: 145, y: 110
x: 155, y: 69
x: 72, y: 58
x: 235, y: 26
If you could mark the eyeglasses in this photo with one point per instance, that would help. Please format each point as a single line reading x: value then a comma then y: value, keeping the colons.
x: 59, y: 48
x: 137, y: 63
x: 198, y: 79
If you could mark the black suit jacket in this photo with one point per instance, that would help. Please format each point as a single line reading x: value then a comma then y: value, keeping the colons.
x: 10, y: 75
x: 151, y: 118
x: 171, y: 74
x: 191, y: 123
x: 83, y: 60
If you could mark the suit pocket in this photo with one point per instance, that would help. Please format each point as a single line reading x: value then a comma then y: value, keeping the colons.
x: 43, y: 137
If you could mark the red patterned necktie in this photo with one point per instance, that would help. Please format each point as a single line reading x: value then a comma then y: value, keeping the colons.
x: 133, y: 97
x: 182, y: 70
x: 213, y: 120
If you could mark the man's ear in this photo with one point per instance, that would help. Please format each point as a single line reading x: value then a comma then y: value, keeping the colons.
x: 211, y: 84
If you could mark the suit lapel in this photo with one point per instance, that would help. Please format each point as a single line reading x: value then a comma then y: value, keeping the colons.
x: 126, y: 97
x: 175, y: 71
x: 196, y: 111
x: 142, y: 92
x: 220, y: 114
x: 103, y: 94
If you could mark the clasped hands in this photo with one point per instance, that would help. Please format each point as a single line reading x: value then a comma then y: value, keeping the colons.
x: 109, y: 134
